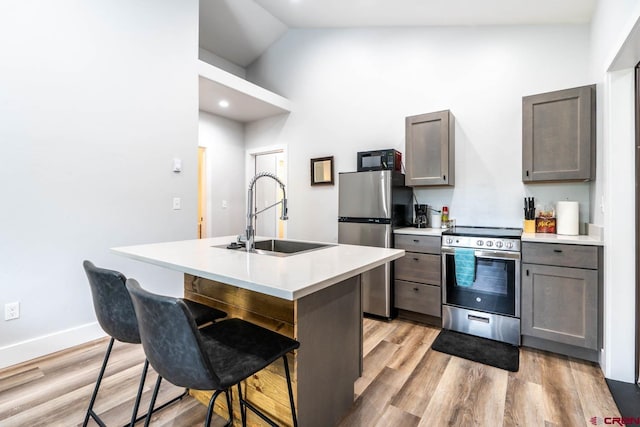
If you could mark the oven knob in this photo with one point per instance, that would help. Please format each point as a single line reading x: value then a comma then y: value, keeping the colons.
x: 509, y: 245
x: 489, y: 243
x: 479, y: 243
x: 478, y: 299
x: 449, y: 240
x: 498, y: 244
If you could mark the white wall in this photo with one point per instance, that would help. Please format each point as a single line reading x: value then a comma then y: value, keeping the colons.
x: 96, y: 100
x: 224, y: 140
x: 612, y: 60
x: 353, y: 88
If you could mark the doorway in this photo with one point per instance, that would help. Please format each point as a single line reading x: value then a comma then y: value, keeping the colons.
x: 267, y: 192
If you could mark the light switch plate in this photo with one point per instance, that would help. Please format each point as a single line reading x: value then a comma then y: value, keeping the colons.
x: 177, y: 165
x: 177, y: 203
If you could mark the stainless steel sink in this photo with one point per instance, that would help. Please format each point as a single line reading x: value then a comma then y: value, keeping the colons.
x: 281, y: 248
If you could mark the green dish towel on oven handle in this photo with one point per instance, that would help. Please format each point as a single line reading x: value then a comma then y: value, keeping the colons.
x: 465, y: 262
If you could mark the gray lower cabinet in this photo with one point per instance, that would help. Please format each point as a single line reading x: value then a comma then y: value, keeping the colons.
x: 430, y: 149
x: 418, y: 297
x: 417, y: 292
x: 558, y: 135
x: 419, y: 267
x: 561, y: 298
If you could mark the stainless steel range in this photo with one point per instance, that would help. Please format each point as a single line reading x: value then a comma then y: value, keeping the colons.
x: 481, y: 282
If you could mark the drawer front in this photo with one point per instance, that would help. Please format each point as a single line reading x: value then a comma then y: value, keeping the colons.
x: 425, y: 244
x: 425, y: 299
x: 577, y: 256
x: 417, y: 267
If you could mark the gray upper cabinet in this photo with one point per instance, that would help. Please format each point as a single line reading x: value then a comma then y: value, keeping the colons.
x: 558, y: 135
x: 430, y: 149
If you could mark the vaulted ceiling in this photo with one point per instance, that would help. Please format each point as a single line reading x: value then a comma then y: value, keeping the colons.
x: 241, y: 30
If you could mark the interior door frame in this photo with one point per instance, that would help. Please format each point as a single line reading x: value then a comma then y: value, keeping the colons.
x: 202, y: 192
x: 637, y: 208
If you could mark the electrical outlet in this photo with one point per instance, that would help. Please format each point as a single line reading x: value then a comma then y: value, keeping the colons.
x: 177, y: 203
x: 11, y: 310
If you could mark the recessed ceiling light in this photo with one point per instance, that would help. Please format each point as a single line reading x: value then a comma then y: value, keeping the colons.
x: 224, y: 103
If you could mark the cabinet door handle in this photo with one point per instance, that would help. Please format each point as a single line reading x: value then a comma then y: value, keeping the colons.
x: 416, y: 259
x: 444, y: 177
x: 416, y: 241
x: 527, y: 173
x: 527, y: 272
x: 416, y: 289
x: 558, y: 251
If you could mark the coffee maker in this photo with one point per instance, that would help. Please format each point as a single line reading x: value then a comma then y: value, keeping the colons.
x: 422, y: 213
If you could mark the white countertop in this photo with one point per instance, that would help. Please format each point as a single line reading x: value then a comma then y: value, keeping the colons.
x: 291, y: 277
x: 558, y: 238
x: 419, y: 231
x: 526, y: 237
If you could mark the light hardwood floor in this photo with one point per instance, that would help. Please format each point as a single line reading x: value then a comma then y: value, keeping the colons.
x: 404, y: 383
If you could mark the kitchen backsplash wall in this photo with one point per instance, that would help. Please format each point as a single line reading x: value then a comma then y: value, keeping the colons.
x: 352, y: 89
x: 495, y: 213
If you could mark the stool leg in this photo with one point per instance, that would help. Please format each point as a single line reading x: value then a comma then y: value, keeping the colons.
x: 90, y: 412
x: 164, y: 405
x: 229, y: 406
x: 136, y: 405
x: 207, y: 421
x: 293, y: 405
x: 153, y: 401
x: 243, y: 410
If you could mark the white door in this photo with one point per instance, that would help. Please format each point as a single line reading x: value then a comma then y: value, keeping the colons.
x: 267, y: 192
x: 265, y: 195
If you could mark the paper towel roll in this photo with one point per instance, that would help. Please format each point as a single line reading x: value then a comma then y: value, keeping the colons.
x: 567, y: 218
x: 436, y: 221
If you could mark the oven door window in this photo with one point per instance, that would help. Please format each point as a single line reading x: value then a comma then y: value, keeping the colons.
x: 492, y: 291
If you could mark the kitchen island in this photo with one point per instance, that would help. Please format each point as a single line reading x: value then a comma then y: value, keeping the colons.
x: 313, y: 296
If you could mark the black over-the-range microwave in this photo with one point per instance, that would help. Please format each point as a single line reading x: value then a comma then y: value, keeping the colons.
x: 379, y: 160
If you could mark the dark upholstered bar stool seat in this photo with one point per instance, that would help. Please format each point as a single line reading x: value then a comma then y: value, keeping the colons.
x: 117, y: 317
x: 215, y: 357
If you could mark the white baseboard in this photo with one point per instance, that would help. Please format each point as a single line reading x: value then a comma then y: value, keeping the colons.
x: 30, y: 349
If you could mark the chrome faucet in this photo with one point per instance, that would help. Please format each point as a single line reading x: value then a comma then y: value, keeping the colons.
x: 250, y: 244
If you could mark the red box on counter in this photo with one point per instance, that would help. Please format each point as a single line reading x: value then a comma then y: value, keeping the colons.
x: 545, y: 225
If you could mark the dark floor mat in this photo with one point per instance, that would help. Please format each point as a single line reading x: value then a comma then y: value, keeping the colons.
x: 481, y: 350
x: 627, y: 398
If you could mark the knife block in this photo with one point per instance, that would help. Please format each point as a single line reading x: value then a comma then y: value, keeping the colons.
x: 529, y: 226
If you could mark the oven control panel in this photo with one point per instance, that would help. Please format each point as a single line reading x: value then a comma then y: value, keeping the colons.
x: 510, y: 245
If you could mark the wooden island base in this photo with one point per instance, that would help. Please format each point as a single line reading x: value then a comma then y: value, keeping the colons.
x: 328, y: 325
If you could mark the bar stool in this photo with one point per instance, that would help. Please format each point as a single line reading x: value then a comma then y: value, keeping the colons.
x: 116, y: 316
x: 215, y: 357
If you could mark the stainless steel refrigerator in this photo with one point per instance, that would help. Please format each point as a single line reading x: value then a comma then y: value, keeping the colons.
x: 370, y: 206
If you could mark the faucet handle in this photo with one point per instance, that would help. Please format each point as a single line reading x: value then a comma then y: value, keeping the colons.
x: 241, y: 238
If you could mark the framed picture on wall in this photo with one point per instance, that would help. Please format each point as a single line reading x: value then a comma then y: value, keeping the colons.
x: 322, y: 171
